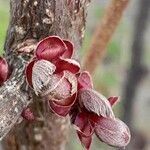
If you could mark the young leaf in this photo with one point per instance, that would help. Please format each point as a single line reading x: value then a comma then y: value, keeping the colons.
x: 113, y: 132
x: 95, y: 102
x: 85, y: 80
x: 50, y: 48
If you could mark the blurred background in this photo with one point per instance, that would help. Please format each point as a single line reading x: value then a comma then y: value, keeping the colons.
x: 124, y: 71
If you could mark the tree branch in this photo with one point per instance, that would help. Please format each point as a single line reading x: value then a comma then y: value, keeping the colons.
x: 103, y: 34
x: 137, y: 69
x: 31, y: 21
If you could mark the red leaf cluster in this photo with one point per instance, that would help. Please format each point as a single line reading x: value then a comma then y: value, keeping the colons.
x: 55, y: 76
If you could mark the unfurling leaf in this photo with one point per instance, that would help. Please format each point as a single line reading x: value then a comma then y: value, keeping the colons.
x: 28, y: 72
x: 69, y: 52
x: 83, y: 125
x: 85, y: 80
x: 85, y: 141
x: 41, y: 75
x: 50, y: 48
x: 113, y: 132
x: 62, y: 107
x: 95, y: 102
x: 58, y: 109
x: 62, y: 86
x: 67, y: 64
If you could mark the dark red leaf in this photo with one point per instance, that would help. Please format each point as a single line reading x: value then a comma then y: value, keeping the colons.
x: 69, y: 52
x: 68, y: 101
x: 95, y: 102
x: 85, y: 141
x: 83, y: 125
x: 28, y: 72
x: 4, y: 70
x: 50, y: 48
x: 28, y: 114
x: 85, y: 80
x: 58, y: 109
x: 113, y: 132
x: 67, y: 64
x: 112, y: 100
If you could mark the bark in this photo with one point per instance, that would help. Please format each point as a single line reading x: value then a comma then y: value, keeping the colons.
x: 31, y: 21
x: 137, y: 70
x: 103, y: 34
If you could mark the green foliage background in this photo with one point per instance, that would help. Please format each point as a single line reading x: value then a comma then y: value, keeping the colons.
x: 4, y: 18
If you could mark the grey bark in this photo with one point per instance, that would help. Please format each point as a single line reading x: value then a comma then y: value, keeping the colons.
x: 31, y: 21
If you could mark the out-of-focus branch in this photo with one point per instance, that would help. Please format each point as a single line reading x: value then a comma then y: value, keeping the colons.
x: 137, y: 68
x: 103, y: 34
x: 136, y: 72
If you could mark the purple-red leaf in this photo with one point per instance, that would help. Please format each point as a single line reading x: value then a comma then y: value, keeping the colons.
x: 69, y: 52
x: 50, y: 48
x: 85, y: 141
x: 83, y: 125
x: 63, y: 88
x: 4, y: 70
x: 85, y: 80
x: 113, y: 132
x: 95, y: 102
x: 28, y: 72
x: 28, y: 114
x: 58, y: 109
x: 68, y: 101
x: 112, y: 100
x: 67, y: 64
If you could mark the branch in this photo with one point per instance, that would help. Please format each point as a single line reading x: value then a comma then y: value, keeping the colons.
x: 12, y: 99
x: 137, y: 69
x: 34, y: 20
x: 103, y: 34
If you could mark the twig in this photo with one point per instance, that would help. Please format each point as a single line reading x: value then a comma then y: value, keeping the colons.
x: 103, y: 34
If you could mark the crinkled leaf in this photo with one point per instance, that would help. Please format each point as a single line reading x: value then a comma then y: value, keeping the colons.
x: 85, y: 141
x: 69, y: 52
x: 54, y: 81
x: 50, y: 48
x: 4, y: 70
x: 83, y: 125
x: 73, y: 81
x: 113, y: 132
x: 95, y: 102
x: 41, y: 75
x: 84, y: 80
x: 112, y: 100
x: 67, y: 64
x: 68, y: 101
x: 63, y: 88
x: 58, y: 109
x: 28, y: 73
